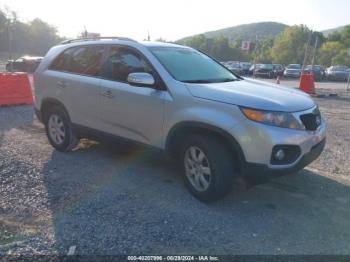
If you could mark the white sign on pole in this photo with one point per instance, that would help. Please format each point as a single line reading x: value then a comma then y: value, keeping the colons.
x: 245, y: 45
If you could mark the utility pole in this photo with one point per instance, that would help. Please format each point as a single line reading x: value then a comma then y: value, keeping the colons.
x: 255, y: 50
x: 306, y: 49
x: 314, y: 53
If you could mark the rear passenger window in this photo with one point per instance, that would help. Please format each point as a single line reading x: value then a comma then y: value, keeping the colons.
x: 61, y: 63
x: 84, y: 60
x: 121, y: 61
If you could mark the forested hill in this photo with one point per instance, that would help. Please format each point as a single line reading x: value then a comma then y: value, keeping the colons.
x: 332, y: 30
x: 247, y: 31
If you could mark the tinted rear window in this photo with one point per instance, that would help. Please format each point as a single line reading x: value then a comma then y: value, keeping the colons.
x: 61, y: 63
x: 85, y: 60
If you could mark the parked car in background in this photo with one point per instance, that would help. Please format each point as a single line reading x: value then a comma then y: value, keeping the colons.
x: 278, y: 70
x: 245, y: 67
x: 292, y: 70
x: 337, y: 73
x: 235, y: 68
x: 24, y: 64
x: 317, y: 70
x: 264, y: 70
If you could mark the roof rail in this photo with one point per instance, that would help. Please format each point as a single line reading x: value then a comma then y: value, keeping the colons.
x: 96, y: 38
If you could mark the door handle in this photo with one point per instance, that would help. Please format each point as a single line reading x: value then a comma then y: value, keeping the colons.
x: 107, y: 93
x: 61, y: 84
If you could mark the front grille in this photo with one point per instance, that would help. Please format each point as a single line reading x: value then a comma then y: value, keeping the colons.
x: 311, y: 121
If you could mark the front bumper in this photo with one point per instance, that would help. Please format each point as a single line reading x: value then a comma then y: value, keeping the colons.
x: 258, y: 140
x: 263, y: 73
x: 259, y: 173
x: 294, y: 75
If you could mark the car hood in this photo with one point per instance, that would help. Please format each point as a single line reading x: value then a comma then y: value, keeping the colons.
x: 254, y: 94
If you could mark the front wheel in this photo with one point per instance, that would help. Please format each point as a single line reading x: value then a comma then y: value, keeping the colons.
x: 208, y: 167
x: 59, y: 130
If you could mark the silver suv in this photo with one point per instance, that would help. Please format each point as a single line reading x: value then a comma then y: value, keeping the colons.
x: 216, y: 124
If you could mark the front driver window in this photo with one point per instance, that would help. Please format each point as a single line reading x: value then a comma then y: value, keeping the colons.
x: 122, y: 61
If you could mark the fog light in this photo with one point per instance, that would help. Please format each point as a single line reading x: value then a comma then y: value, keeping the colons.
x: 279, y: 155
x: 284, y: 154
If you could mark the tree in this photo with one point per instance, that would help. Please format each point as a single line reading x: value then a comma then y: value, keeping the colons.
x: 262, y: 52
x: 199, y: 42
x: 290, y: 46
x: 345, y: 36
x: 33, y: 38
x: 331, y: 53
x: 334, y: 36
x: 219, y: 48
x: 42, y: 37
x: 341, y: 58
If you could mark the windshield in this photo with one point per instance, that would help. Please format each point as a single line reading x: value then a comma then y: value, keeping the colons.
x: 294, y: 67
x: 245, y: 66
x: 191, y: 66
x: 266, y: 66
x: 317, y: 68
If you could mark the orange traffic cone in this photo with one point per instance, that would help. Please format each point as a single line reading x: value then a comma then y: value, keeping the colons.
x: 15, y: 89
x: 307, y: 83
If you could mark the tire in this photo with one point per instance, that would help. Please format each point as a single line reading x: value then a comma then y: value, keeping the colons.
x: 218, y: 160
x: 57, y: 122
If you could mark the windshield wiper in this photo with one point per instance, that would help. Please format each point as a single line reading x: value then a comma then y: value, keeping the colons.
x: 207, y: 81
x: 227, y: 80
x: 199, y: 81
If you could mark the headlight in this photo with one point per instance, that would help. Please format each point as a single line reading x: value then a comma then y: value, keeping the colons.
x: 279, y: 119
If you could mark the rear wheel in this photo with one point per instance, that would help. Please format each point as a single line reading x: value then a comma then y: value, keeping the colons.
x: 59, y: 130
x: 208, y: 167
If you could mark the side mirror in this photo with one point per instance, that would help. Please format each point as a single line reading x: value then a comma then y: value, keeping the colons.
x: 141, y: 79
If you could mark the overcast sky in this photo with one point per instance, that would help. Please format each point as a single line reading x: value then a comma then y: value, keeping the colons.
x: 177, y: 18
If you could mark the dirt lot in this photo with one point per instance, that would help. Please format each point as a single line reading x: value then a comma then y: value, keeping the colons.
x: 112, y: 199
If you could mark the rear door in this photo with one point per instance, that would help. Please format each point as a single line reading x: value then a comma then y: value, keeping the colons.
x: 76, y: 79
x: 133, y: 112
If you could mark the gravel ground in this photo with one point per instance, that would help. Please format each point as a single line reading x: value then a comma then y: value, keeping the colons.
x: 335, y: 158
x: 113, y: 199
